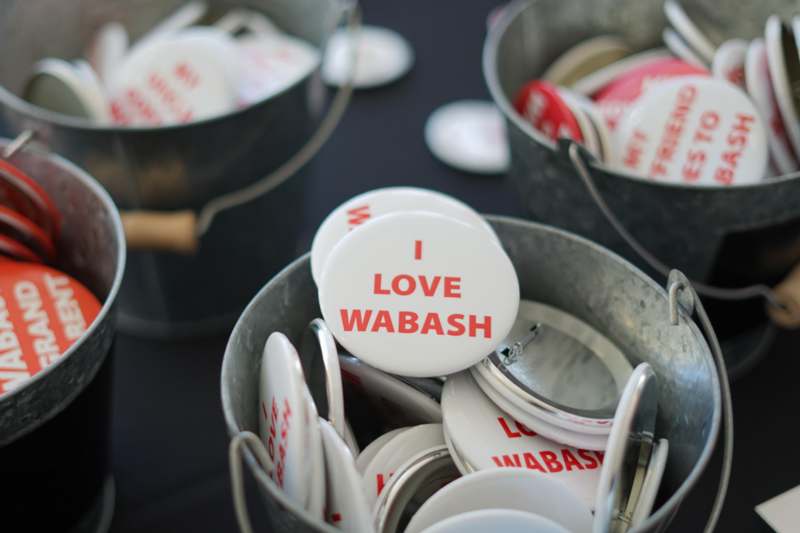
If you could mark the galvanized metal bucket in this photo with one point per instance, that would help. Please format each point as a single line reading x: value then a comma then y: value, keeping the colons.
x: 556, y: 268
x: 184, y: 168
x: 728, y: 236
x: 54, y: 429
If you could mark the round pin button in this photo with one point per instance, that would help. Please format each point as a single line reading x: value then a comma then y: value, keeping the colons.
x: 316, y: 459
x: 784, y: 67
x: 347, y: 506
x: 687, y: 26
x: 21, y: 193
x: 585, y: 58
x: 60, y: 86
x: 694, y: 130
x: 485, y: 437
x: 46, y: 312
x: 419, y: 294
x: 496, y: 520
x: 324, y: 373
x: 594, y: 82
x: 395, y: 453
x: 282, y: 417
x: 391, y: 394
x: 759, y: 86
x: 19, y: 228
x: 680, y: 48
x: 108, y: 49
x: 615, y: 100
x: 382, y: 56
x: 469, y: 135
x: 540, y: 103
x: 629, y: 449
x: 369, y: 453
x: 729, y: 61
x: 509, y: 489
x: 177, y: 79
x: 372, y: 204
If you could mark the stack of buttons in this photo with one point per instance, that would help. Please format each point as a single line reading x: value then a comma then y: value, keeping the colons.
x: 482, y: 400
x: 709, y: 110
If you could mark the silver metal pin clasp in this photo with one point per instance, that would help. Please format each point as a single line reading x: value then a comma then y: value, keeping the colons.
x: 510, y: 354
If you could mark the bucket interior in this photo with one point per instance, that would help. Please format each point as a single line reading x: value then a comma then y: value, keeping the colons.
x: 71, y: 26
x: 555, y: 268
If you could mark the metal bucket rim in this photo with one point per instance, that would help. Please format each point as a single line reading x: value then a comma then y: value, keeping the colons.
x: 19, y: 105
x: 497, y: 30
x: 110, y: 300
x: 664, y: 512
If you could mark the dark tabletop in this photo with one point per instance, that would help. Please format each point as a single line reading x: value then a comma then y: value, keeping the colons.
x: 169, y: 438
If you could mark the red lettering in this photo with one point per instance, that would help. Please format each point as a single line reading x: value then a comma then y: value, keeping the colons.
x: 411, y: 285
x: 510, y: 434
x: 570, y: 461
x: 525, y: 430
x: 532, y: 464
x: 452, y: 287
x: 377, y: 285
x: 357, y: 215
x: 497, y: 461
x: 383, y: 320
x: 429, y: 289
x: 486, y: 326
x: 407, y: 322
x: 591, y: 463
x: 512, y: 460
x: 551, y: 460
x: 456, y: 326
x: 357, y: 319
x: 432, y: 322
x: 417, y: 250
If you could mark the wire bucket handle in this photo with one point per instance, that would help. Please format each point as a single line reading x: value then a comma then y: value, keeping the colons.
x: 782, y: 301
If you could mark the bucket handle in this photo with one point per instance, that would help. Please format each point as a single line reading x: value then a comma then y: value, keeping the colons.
x: 683, y: 295
x: 783, y: 301
x: 237, y: 479
x: 180, y: 231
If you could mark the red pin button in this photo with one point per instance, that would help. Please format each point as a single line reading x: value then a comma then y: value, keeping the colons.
x: 18, y: 228
x: 21, y: 193
x: 541, y: 104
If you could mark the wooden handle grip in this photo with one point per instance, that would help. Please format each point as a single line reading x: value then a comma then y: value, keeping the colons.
x: 788, y: 293
x: 161, y: 231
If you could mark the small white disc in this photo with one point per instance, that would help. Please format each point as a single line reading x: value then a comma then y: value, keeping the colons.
x: 469, y: 135
x: 382, y: 56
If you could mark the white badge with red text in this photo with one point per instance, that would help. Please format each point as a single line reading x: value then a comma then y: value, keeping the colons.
x: 419, y: 294
x: 183, y: 78
x: 372, y: 204
x: 282, y: 420
x: 346, y: 507
x: 395, y: 453
x: 694, y: 130
x: 729, y: 61
x: 486, y: 437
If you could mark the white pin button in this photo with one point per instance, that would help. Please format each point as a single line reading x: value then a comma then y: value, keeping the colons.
x: 369, y: 453
x: 784, y: 67
x: 485, y: 437
x: 372, y: 204
x: 585, y: 58
x: 316, y: 458
x: 729, y: 62
x: 185, y: 16
x: 324, y: 374
x: 382, y: 56
x: 271, y: 63
x: 681, y: 49
x: 694, y: 130
x: 413, y: 405
x: 699, y: 40
x: 760, y: 88
x: 469, y: 135
x: 108, y: 49
x: 346, y: 502
x: 66, y: 88
x: 395, y: 453
x: 240, y: 20
x: 350, y: 439
x: 555, y: 367
x: 652, y: 482
x: 186, y: 77
x: 596, y: 81
x: 504, y: 520
x: 419, y: 294
x: 505, y: 489
x: 623, y: 473
x: 283, y: 426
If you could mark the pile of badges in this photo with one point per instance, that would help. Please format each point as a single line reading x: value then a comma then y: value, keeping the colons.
x: 42, y: 311
x: 479, y: 410
x: 178, y: 72
x: 704, y: 111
